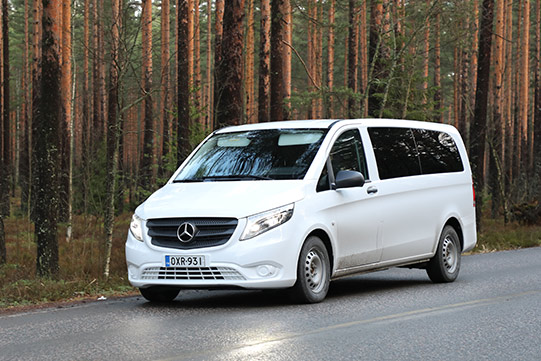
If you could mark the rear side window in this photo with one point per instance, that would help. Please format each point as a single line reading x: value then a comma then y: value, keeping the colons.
x: 437, y: 151
x: 395, y: 152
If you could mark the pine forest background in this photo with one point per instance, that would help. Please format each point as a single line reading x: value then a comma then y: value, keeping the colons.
x: 102, y: 99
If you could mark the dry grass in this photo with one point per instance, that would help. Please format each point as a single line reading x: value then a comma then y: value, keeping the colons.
x: 81, y: 259
x: 498, y: 236
x: 80, y: 263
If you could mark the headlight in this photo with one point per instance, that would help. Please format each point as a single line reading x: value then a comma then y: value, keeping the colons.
x: 262, y: 222
x: 136, y: 227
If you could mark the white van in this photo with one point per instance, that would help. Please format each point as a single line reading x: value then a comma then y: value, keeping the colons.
x: 297, y: 204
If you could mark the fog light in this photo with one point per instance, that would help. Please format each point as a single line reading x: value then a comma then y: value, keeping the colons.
x: 265, y: 270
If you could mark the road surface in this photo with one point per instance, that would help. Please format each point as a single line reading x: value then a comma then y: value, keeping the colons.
x: 492, y: 312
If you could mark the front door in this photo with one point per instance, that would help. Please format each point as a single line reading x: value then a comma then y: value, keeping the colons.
x: 352, y: 210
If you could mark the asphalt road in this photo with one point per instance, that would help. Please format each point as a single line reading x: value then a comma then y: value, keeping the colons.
x: 492, y: 312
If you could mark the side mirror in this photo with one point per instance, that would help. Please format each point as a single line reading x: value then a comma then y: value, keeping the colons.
x: 349, y: 179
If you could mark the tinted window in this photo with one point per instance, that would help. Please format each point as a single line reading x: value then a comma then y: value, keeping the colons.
x: 347, y: 153
x: 395, y: 152
x: 438, y: 152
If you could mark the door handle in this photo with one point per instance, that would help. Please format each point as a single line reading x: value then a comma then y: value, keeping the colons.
x: 372, y: 190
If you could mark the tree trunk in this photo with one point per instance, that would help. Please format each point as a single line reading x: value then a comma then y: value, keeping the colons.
x: 86, y: 118
x: 166, y: 124
x: 363, y: 61
x: 509, y: 55
x: 277, y: 88
x: 183, y: 86
x: 249, y: 69
x: 438, y: 101
x: 65, y: 140
x: 329, y: 111
x: 112, y: 133
x: 376, y: 58
x: 497, y: 149
x: 190, y: 47
x: 197, y: 62
x: 352, y: 58
x: 24, y: 158
x: 49, y: 110
x: 209, y: 103
x: 97, y: 121
x: 426, y: 54
x: 219, y: 30
x: 6, y: 156
x: 147, y: 158
x: 537, y: 109
x: 524, y: 84
x: 228, y: 103
x: 479, y: 124
x: 288, y: 37
x: 3, y: 252
x: 36, y: 89
x: 474, y: 56
x: 310, y: 55
x: 264, y: 63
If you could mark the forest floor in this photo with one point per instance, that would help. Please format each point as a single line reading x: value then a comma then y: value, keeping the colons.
x: 80, y: 259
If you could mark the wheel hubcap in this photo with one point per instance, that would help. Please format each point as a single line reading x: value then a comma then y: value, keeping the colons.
x: 314, y: 269
x: 450, y: 255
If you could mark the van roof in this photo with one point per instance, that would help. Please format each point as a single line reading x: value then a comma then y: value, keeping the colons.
x: 328, y: 123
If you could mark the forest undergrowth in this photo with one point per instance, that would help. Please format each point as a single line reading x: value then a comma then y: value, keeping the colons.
x: 81, y: 259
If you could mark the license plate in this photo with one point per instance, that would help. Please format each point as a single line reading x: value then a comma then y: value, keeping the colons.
x: 185, y: 261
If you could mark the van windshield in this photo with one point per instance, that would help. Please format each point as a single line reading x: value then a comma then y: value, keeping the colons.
x: 254, y: 155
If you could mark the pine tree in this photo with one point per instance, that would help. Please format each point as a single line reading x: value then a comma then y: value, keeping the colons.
x: 49, y: 111
x: 229, y: 98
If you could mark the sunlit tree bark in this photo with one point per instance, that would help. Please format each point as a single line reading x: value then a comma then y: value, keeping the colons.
x: 264, y: 63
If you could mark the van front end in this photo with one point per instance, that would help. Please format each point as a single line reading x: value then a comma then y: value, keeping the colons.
x: 268, y: 260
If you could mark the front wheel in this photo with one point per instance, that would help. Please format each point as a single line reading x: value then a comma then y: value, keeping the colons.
x: 159, y: 293
x: 313, y: 272
x: 445, y: 264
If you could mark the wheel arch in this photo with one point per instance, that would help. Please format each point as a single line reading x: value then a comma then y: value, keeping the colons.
x: 453, y: 222
x: 321, y: 234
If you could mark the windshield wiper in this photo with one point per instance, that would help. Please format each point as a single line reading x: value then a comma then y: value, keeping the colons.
x: 235, y: 176
x: 188, y: 180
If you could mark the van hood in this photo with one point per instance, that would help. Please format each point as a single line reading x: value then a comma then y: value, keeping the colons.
x: 235, y: 199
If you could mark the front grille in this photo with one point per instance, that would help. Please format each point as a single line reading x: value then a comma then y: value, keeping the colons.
x: 210, y: 232
x: 191, y: 273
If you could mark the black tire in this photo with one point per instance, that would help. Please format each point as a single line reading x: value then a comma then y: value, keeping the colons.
x: 313, y: 272
x: 445, y: 265
x: 159, y: 293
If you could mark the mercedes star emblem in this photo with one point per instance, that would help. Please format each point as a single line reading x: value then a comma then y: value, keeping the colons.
x: 186, y: 232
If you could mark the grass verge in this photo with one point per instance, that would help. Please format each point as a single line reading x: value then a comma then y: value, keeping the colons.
x: 81, y: 260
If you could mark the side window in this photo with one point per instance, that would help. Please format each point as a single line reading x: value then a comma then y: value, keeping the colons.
x: 395, y: 152
x: 347, y: 153
x: 437, y: 151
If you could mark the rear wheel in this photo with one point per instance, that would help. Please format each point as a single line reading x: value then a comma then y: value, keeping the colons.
x: 159, y: 293
x: 445, y: 264
x: 313, y: 272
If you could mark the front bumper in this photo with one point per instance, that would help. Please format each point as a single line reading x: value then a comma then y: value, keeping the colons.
x: 266, y: 261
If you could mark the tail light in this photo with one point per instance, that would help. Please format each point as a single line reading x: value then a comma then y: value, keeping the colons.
x: 473, y: 188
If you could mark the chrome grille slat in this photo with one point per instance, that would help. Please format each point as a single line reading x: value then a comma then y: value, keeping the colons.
x: 211, y: 232
x: 191, y: 273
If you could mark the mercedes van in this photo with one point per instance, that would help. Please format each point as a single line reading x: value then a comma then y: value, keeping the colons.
x: 296, y: 204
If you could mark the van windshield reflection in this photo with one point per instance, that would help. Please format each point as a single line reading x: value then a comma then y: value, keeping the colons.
x: 254, y: 155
